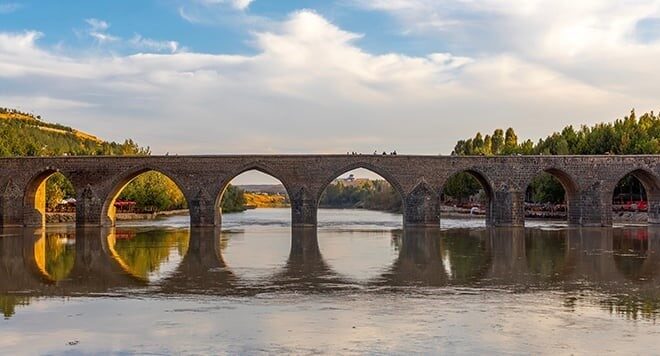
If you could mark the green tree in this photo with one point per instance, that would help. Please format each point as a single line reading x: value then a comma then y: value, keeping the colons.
x: 510, y: 141
x: 497, y: 141
x: 461, y: 186
x: 233, y: 200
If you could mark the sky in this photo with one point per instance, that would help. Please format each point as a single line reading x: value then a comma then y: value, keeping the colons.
x: 257, y: 76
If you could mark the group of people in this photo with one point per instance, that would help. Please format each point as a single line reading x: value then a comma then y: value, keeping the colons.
x: 353, y: 153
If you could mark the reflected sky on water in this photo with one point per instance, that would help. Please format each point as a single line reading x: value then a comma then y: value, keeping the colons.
x: 359, y: 283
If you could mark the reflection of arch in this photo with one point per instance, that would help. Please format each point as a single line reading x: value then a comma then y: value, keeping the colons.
x: 651, y: 184
x: 34, y: 254
x: 203, y: 269
x: 570, y: 187
x: 420, y: 259
x: 485, y: 185
x: 152, y: 259
x: 17, y: 269
x: 34, y: 197
x: 41, y: 253
x: 119, y: 183
x: 305, y: 267
x: 635, y: 253
x: 375, y: 169
x: 547, y: 253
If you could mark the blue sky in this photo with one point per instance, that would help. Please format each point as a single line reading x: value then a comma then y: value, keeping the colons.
x: 240, y: 76
x: 219, y: 28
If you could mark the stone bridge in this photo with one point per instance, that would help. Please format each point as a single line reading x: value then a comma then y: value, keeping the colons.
x: 589, y: 182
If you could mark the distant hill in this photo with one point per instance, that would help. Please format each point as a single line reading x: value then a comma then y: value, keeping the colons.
x: 25, y: 134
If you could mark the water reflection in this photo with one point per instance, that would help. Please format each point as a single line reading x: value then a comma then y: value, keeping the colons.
x: 148, y: 255
x: 621, y: 264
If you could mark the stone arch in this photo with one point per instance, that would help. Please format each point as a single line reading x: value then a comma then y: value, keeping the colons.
x: 34, y: 196
x: 121, y: 181
x: 571, y: 191
x: 651, y: 183
x: 373, y: 168
x: 486, y: 184
x: 252, y: 166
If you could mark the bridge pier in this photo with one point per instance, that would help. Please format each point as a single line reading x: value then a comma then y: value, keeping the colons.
x: 204, y: 211
x: 595, y: 207
x: 11, y: 213
x: 89, y: 210
x: 506, y: 209
x: 421, y: 208
x: 653, y: 199
x: 304, y: 207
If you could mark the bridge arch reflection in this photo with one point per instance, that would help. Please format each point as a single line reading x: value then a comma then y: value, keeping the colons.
x: 604, y: 259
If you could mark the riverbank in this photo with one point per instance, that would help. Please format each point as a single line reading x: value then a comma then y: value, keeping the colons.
x: 446, y: 212
x: 617, y: 217
x: 58, y: 218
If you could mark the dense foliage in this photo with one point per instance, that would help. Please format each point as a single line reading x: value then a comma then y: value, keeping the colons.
x: 233, y: 200
x: 25, y: 135
x: 153, y: 191
x: 372, y: 194
x: 58, y: 187
x: 460, y: 187
x: 630, y: 135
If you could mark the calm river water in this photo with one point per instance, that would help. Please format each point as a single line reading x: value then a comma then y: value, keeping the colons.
x: 358, y: 284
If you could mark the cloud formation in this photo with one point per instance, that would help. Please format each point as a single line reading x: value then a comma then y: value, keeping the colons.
x: 594, y: 41
x: 310, y: 87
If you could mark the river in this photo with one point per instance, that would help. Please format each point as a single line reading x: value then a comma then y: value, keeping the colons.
x: 357, y: 284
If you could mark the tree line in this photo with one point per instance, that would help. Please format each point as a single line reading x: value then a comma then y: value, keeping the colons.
x: 629, y: 135
x: 370, y: 194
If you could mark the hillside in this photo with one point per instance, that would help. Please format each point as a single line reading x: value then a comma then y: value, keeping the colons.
x: 25, y: 134
x: 263, y: 188
x: 263, y: 200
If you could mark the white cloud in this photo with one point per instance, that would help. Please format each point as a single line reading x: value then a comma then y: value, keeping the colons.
x: 311, y: 88
x: 221, y: 12
x: 97, y: 30
x: 8, y: 8
x: 97, y: 25
x: 153, y: 45
x: 594, y: 41
x: 237, y: 4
